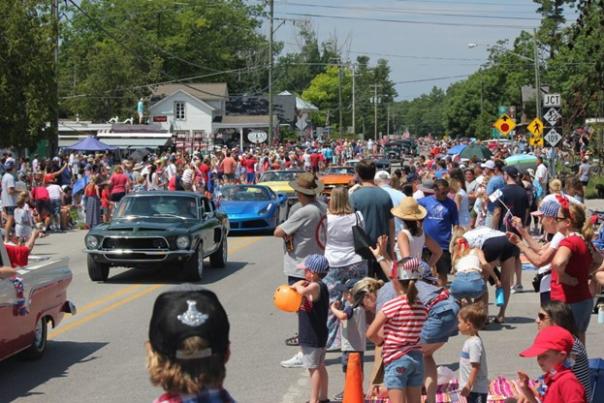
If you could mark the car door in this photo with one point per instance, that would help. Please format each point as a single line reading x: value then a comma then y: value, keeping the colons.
x: 211, y: 226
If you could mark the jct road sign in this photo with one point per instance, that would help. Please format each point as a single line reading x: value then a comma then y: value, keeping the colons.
x: 536, y: 127
x: 550, y: 100
x: 505, y: 124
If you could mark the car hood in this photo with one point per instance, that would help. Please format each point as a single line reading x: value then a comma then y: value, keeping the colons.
x: 278, y: 186
x: 242, y: 207
x: 336, y: 179
x: 147, y: 224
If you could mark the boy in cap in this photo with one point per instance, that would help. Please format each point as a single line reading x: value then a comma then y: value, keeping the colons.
x: 354, y: 326
x: 552, y: 347
x: 188, y: 346
x: 312, y: 323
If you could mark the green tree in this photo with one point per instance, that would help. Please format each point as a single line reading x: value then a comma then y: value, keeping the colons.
x: 27, y: 79
x: 111, y: 49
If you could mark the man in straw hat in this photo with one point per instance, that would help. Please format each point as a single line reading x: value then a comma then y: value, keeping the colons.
x: 304, y: 235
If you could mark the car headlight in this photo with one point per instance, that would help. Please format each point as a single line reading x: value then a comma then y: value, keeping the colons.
x: 265, y: 209
x: 92, y: 242
x: 182, y: 242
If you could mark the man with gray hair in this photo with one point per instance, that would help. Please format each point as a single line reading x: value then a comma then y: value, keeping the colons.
x: 383, y: 179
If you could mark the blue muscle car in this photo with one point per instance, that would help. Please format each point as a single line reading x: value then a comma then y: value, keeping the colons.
x: 253, y: 207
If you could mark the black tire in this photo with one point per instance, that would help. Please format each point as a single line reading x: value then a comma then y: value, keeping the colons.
x: 97, y: 271
x: 36, y: 350
x: 219, y: 258
x: 194, y: 267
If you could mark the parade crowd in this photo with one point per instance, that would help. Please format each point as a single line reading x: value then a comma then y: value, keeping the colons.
x: 402, y: 261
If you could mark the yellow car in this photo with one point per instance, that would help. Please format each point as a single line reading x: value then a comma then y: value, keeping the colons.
x: 278, y: 181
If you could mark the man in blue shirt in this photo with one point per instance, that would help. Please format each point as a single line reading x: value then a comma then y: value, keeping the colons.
x: 495, y: 183
x: 439, y: 223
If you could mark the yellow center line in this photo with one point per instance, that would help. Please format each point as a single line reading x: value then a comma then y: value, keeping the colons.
x: 81, y: 320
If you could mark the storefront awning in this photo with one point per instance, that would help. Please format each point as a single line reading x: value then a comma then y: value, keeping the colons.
x: 125, y: 143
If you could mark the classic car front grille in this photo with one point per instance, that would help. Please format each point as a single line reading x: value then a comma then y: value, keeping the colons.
x: 153, y: 243
x: 135, y: 256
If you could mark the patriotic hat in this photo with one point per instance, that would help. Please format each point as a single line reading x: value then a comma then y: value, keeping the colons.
x: 548, y: 208
x: 315, y: 263
x: 407, y: 269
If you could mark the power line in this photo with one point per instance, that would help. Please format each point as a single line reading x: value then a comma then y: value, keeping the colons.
x: 422, y: 80
x: 390, y: 20
x: 412, y: 12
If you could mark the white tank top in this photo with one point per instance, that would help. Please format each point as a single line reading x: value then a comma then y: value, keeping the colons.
x: 469, y: 263
x: 416, y: 245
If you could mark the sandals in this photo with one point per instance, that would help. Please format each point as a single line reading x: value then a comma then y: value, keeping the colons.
x: 497, y: 319
x: 292, y: 341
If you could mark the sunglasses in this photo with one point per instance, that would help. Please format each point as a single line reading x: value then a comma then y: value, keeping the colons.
x: 542, y: 316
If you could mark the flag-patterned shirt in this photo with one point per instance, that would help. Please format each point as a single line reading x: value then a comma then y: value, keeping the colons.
x: 402, y: 328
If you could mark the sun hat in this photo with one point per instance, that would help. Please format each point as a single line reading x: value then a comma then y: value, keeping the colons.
x: 315, y: 263
x: 409, y: 209
x: 550, y: 338
x: 186, y: 311
x: 307, y: 184
x: 382, y: 176
x: 548, y: 208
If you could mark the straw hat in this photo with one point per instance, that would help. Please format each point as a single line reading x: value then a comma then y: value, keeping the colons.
x: 409, y: 210
x: 307, y: 184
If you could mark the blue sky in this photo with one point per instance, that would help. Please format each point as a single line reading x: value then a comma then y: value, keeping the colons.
x: 419, y: 45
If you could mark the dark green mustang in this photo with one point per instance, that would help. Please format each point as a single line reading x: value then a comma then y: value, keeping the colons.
x: 157, y: 229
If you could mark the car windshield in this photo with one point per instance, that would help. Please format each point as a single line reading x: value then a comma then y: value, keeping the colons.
x: 244, y: 193
x: 278, y: 176
x: 157, y: 206
x: 340, y: 170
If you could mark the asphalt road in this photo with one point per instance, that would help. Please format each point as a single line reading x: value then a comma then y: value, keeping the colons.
x: 98, y: 355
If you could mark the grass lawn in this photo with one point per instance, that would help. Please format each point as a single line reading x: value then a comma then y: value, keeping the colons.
x: 591, y: 192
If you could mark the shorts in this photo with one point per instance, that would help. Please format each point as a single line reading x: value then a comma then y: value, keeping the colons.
x: 582, y: 313
x: 499, y: 248
x: 468, y: 285
x: 405, y: 372
x: 443, y: 266
x: 43, y: 207
x: 312, y: 357
x: 229, y: 176
x: 251, y: 177
x: 116, y: 197
x: 55, y: 207
x: 9, y: 210
x: 441, y: 322
x: 474, y: 397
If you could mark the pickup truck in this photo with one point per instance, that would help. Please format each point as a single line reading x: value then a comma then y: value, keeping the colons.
x: 159, y: 228
x: 45, y: 282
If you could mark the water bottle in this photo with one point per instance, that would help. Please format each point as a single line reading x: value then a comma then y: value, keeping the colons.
x: 499, y: 297
x: 601, y: 313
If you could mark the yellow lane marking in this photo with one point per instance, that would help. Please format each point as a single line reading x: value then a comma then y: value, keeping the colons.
x: 94, y: 315
x: 81, y: 320
x: 108, y: 298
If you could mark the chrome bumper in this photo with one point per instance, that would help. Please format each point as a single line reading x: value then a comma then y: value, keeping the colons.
x: 120, y: 252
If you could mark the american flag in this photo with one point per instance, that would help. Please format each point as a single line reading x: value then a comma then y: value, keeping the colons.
x: 507, y: 220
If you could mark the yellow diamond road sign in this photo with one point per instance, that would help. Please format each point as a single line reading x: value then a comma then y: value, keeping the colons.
x: 536, y: 127
x: 505, y: 124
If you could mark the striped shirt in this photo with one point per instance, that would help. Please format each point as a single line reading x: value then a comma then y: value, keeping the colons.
x: 581, y: 367
x: 402, y: 328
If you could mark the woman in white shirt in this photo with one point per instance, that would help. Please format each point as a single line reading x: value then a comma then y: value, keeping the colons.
x: 344, y: 262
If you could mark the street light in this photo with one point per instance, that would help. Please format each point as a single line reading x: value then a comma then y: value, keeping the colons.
x: 534, y: 61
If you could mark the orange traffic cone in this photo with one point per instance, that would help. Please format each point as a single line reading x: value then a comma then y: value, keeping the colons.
x: 353, y: 388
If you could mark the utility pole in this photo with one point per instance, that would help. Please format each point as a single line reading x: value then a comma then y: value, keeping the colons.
x: 341, y: 123
x: 54, y: 142
x: 270, y: 73
x: 387, y: 119
x: 537, y: 78
x: 354, y: 131
x: 375, y: 103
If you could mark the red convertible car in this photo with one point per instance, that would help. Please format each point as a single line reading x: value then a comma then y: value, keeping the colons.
x: 29, y: 305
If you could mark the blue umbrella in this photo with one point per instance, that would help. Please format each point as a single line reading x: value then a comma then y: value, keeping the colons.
x: 90, y: 143
x: 456, y: 149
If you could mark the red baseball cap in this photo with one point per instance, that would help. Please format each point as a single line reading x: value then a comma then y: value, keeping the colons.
x: 550, y: 338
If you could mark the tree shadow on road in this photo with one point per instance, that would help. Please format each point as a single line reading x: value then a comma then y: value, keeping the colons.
x: 172, y: 274
x: 20, y: 377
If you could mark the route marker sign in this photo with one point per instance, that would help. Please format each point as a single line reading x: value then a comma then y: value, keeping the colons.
x: 550, y: 100
x: 536, y: 127
x: 553, y: 137
x: 505, y: 124
x: 552, y: 116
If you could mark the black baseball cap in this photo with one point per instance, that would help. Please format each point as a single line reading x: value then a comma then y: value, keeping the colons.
x: 512, y: 172
x: 186, y: 311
